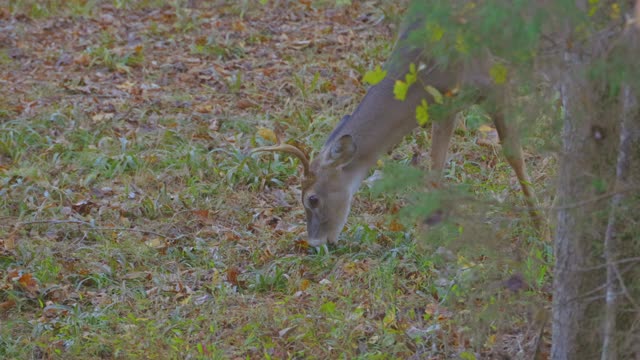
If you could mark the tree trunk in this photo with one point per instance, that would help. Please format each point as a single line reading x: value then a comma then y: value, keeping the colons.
x: 596, y: 287
x: 585, y: 168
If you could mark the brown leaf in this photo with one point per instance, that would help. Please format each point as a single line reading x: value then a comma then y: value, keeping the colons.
x: 268, y: 71
x: 243, y: 104
x: 82, y: 59
x: 204, y: 108
x: 6, y: 305
x: 268, y: 134
x: 28, y: 283
x: 395, y: 226
x: 306, y: 3
x: 10, y: 242
x: 266, y: 255
x: 57, y: 294
x: 301, y: 245
x: 231, y: 236
x: 83, y: 207
x: 304, y: 284
x: 232, y: 277
x: 202, y: 214
x: 356, y: 267
x: 238, y: 26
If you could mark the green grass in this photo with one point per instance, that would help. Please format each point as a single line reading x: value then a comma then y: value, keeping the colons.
x: 134, y: 224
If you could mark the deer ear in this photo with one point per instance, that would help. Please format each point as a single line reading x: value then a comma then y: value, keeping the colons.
x: 342, y: 151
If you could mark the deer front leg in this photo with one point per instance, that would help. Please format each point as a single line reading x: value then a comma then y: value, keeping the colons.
x: 513, y: 153
x: 441, y: 132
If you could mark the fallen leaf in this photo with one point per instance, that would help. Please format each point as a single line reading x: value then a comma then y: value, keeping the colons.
x: 268, y: 71
x: 156, y: 243
x: 301, y: 245
x: 268, y: 134
x: 215, y: 125
x: 82, y: 59
x: 304, y: 284
x: 243, y: 104
x: 232, y: 277
x: 395, y: 226
x: 285, y: 331
x: 83, y: 207
x: 204, y: 108
x: 127, y: 85
x: 238, y: 26
x: 6, y: 305
x: 28, y: 283
x: 203, y: 214
x: 10, y: 242
x: 102, y: 117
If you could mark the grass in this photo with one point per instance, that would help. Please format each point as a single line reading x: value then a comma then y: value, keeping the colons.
x: 133, y: 224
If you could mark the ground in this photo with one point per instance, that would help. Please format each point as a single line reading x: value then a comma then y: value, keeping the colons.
x: 134, y: 224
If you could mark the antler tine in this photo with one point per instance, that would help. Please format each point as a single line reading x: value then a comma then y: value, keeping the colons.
x: 287, y: 149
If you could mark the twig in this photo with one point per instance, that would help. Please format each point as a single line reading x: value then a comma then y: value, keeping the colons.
x: 624, y: 289
x: 596, y: 198
x: 628, y: 138
x: 616, y: 262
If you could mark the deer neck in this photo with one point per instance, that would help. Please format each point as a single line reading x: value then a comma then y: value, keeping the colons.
x: 378, y: 123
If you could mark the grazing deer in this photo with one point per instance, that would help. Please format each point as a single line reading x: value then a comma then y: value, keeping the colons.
x: 380, y: 122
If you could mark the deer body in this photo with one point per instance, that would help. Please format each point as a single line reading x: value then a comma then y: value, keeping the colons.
x: 380, y: 122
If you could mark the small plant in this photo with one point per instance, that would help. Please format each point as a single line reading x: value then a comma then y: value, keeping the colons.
x: 305, y: 90
x: 273, y: 279
x: 101, y: 55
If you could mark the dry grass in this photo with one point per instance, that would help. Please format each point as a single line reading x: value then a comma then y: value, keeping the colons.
x: 134, y: 225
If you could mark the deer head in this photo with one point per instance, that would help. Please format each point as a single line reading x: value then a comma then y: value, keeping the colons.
x: 327, y: 187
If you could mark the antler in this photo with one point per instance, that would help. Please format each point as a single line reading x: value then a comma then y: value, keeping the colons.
x: 287, y: 149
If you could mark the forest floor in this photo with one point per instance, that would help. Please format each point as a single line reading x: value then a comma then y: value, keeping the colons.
x: 134, y: 224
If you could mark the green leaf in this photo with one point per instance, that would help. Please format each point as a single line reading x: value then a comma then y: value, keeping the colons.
x: 437, y: 95
x: 412, y: 75
x: 498, y: 73
x: 373, y: 77
x: 422, y: 113
x: 435, y: 32
x: 400, y: 89
x: 465, y: 355
x: 599, y: 185
x: 328, y: 308
x: 461, y: 44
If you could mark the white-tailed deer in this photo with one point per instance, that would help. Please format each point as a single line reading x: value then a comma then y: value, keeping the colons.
x: 380, y: 122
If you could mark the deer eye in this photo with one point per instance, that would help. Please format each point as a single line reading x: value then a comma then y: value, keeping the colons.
x: 313, y: 201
